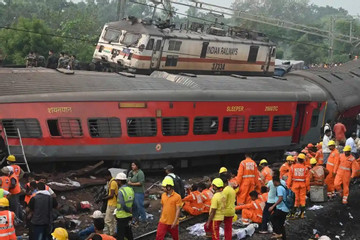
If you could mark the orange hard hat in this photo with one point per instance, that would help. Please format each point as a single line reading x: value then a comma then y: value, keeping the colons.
x: 310, y: 145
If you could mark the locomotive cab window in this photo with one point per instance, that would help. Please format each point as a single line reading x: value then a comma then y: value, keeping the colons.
x: 315, y: 118
x: 175, y: 126
x: 258, y: 123
x: 104, y: 127
x: 150, y: 44
x: 130, y: 39
x: 206, y: 125
x: 141, y: 127
x: 65, y: 127
x: 282, y: 123
x: 112, y: 35
x: 233, y: 124
x: 174, y: 45
x: 28, y: 127
x: 253, y: 52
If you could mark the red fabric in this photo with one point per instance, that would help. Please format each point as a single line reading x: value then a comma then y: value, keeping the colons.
x: 228, y: 228
x: 213, y: 230
x: 162, y: 229
x: 340, y: 130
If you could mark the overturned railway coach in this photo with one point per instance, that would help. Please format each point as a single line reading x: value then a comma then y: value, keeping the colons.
x: 91, y: 115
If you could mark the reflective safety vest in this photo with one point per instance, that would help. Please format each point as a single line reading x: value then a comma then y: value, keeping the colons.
x: 5, y: 183
x: 128, y: 196
x: 247, y: 171
x: 7, y: 229
x: 17, y: 188
x: 317, y: 176
x: 1, y: 193
x: 16, y: 170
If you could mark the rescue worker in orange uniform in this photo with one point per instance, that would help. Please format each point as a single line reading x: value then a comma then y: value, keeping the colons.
x: 333, y: 160
x: 247, y: 178
x: 233, y: 182
x: 266, y: 172
x: 253, y: 211
x: 193, y: 203
x: 345, y: 170
x: 317, y: 173
x: 5, y: 181
x: 298, y: 181
x: 285, y: 168
x: 7, y: 228
x: 14, y: 190
x: 264, y: 194
x: 319, y: 154
x: 206, y: 195
x: 19, y: 173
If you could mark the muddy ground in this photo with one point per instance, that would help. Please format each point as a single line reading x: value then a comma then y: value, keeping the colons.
x: 333, y: 220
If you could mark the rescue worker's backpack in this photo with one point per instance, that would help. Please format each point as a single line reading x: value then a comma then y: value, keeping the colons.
x: 289, y: 199
x: 179, y: 186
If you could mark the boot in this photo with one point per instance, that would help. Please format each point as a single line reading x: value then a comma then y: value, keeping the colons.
x: 302, y: 211
x: 292, y: 214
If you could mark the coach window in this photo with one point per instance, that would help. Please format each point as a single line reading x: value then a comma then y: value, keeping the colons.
x: 253, y: 53
x: 28, y: 127
x: 174, y: 45
x: 315, y: 118
x: 233, y: 124
x: 175, y: 126
x: 171, y: 60
x: 150, y: 44
x: 65, y: 127
x: 282, y: 123
x: 258, y: 123
x: 141, y: 127
x: 104, y: 127
x: 205, y: 125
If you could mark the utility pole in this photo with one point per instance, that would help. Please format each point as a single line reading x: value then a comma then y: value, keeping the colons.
x: 331, y: 38
x: 121, y: 9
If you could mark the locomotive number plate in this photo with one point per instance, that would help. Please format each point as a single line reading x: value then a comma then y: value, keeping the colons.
x: 218, y: 67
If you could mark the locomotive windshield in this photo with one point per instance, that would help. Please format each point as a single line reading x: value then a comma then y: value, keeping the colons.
x: 130, y: 38
x: 112, y: 35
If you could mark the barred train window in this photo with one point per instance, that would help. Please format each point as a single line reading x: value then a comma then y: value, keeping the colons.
x: 28, y: 127
x: 171, y: 60
x: 205, y: 125
x: 65, y: 127
x: 282, y: 123
x: 258, y: 123
x: 141, y: 127
x: 233, y: 124
x: 174, y: 45
x: 175, y: 126
x: 104, y: 127
x: 315, y: 118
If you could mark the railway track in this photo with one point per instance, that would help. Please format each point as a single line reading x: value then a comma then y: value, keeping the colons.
x: 184, y: 224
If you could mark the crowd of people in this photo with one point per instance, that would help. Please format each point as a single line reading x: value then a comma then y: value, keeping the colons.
x: 261, y: 193
x: 64, y: 60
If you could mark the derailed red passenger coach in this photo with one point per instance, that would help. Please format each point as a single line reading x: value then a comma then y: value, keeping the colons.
x: 90, y: 115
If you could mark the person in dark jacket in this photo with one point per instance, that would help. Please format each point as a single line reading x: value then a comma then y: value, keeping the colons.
x: 40, y: 213
x: 52, y: 60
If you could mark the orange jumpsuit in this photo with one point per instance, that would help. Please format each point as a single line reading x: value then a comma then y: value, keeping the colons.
x: 345, y: 169
x: 267, y: 173
x: 193, y: 203
x: 330, y: 165
x: 319, y: 157
x: 252, y: 212
x: 206, y: 195
x: 248, y: 180
x: 298, y: 181
x: 264, y: 197
x: 317, y: 175
x: 284, y: 171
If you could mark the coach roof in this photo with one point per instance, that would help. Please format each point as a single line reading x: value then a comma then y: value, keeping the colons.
x: 44, y: 85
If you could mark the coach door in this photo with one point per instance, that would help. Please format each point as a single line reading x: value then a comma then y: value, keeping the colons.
x: 299, y: 122
x: 156, y: 54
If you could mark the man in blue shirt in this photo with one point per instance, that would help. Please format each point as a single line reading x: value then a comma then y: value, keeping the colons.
x: 271, y: 200
x: 280, y: 210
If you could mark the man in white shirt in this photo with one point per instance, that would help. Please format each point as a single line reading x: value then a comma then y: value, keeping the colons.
x: 351, y: 142
x: 327, y: 126
x: 325, y: 147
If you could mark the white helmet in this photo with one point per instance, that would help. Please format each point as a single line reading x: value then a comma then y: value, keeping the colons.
x: 97, y: 214
x: 324, y: 238
x: 120, y: 176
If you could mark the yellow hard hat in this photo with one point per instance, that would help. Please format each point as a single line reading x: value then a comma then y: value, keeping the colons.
x: 290, y: 158
x: 167, y: 181
x: 4, y: 202
x: 263, y: 161
x: 320, y: 143
x: 313, y: 161
x: 218, y: 182
x: 60, y: 234
x: 11, y: 158
x: 347, y: 148
x: 223, y: 169
x: 301, y: 156
x: 331, y: 143
x: 235, y: 218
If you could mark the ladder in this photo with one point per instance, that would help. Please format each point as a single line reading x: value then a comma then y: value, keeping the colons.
x: 17, y: 154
